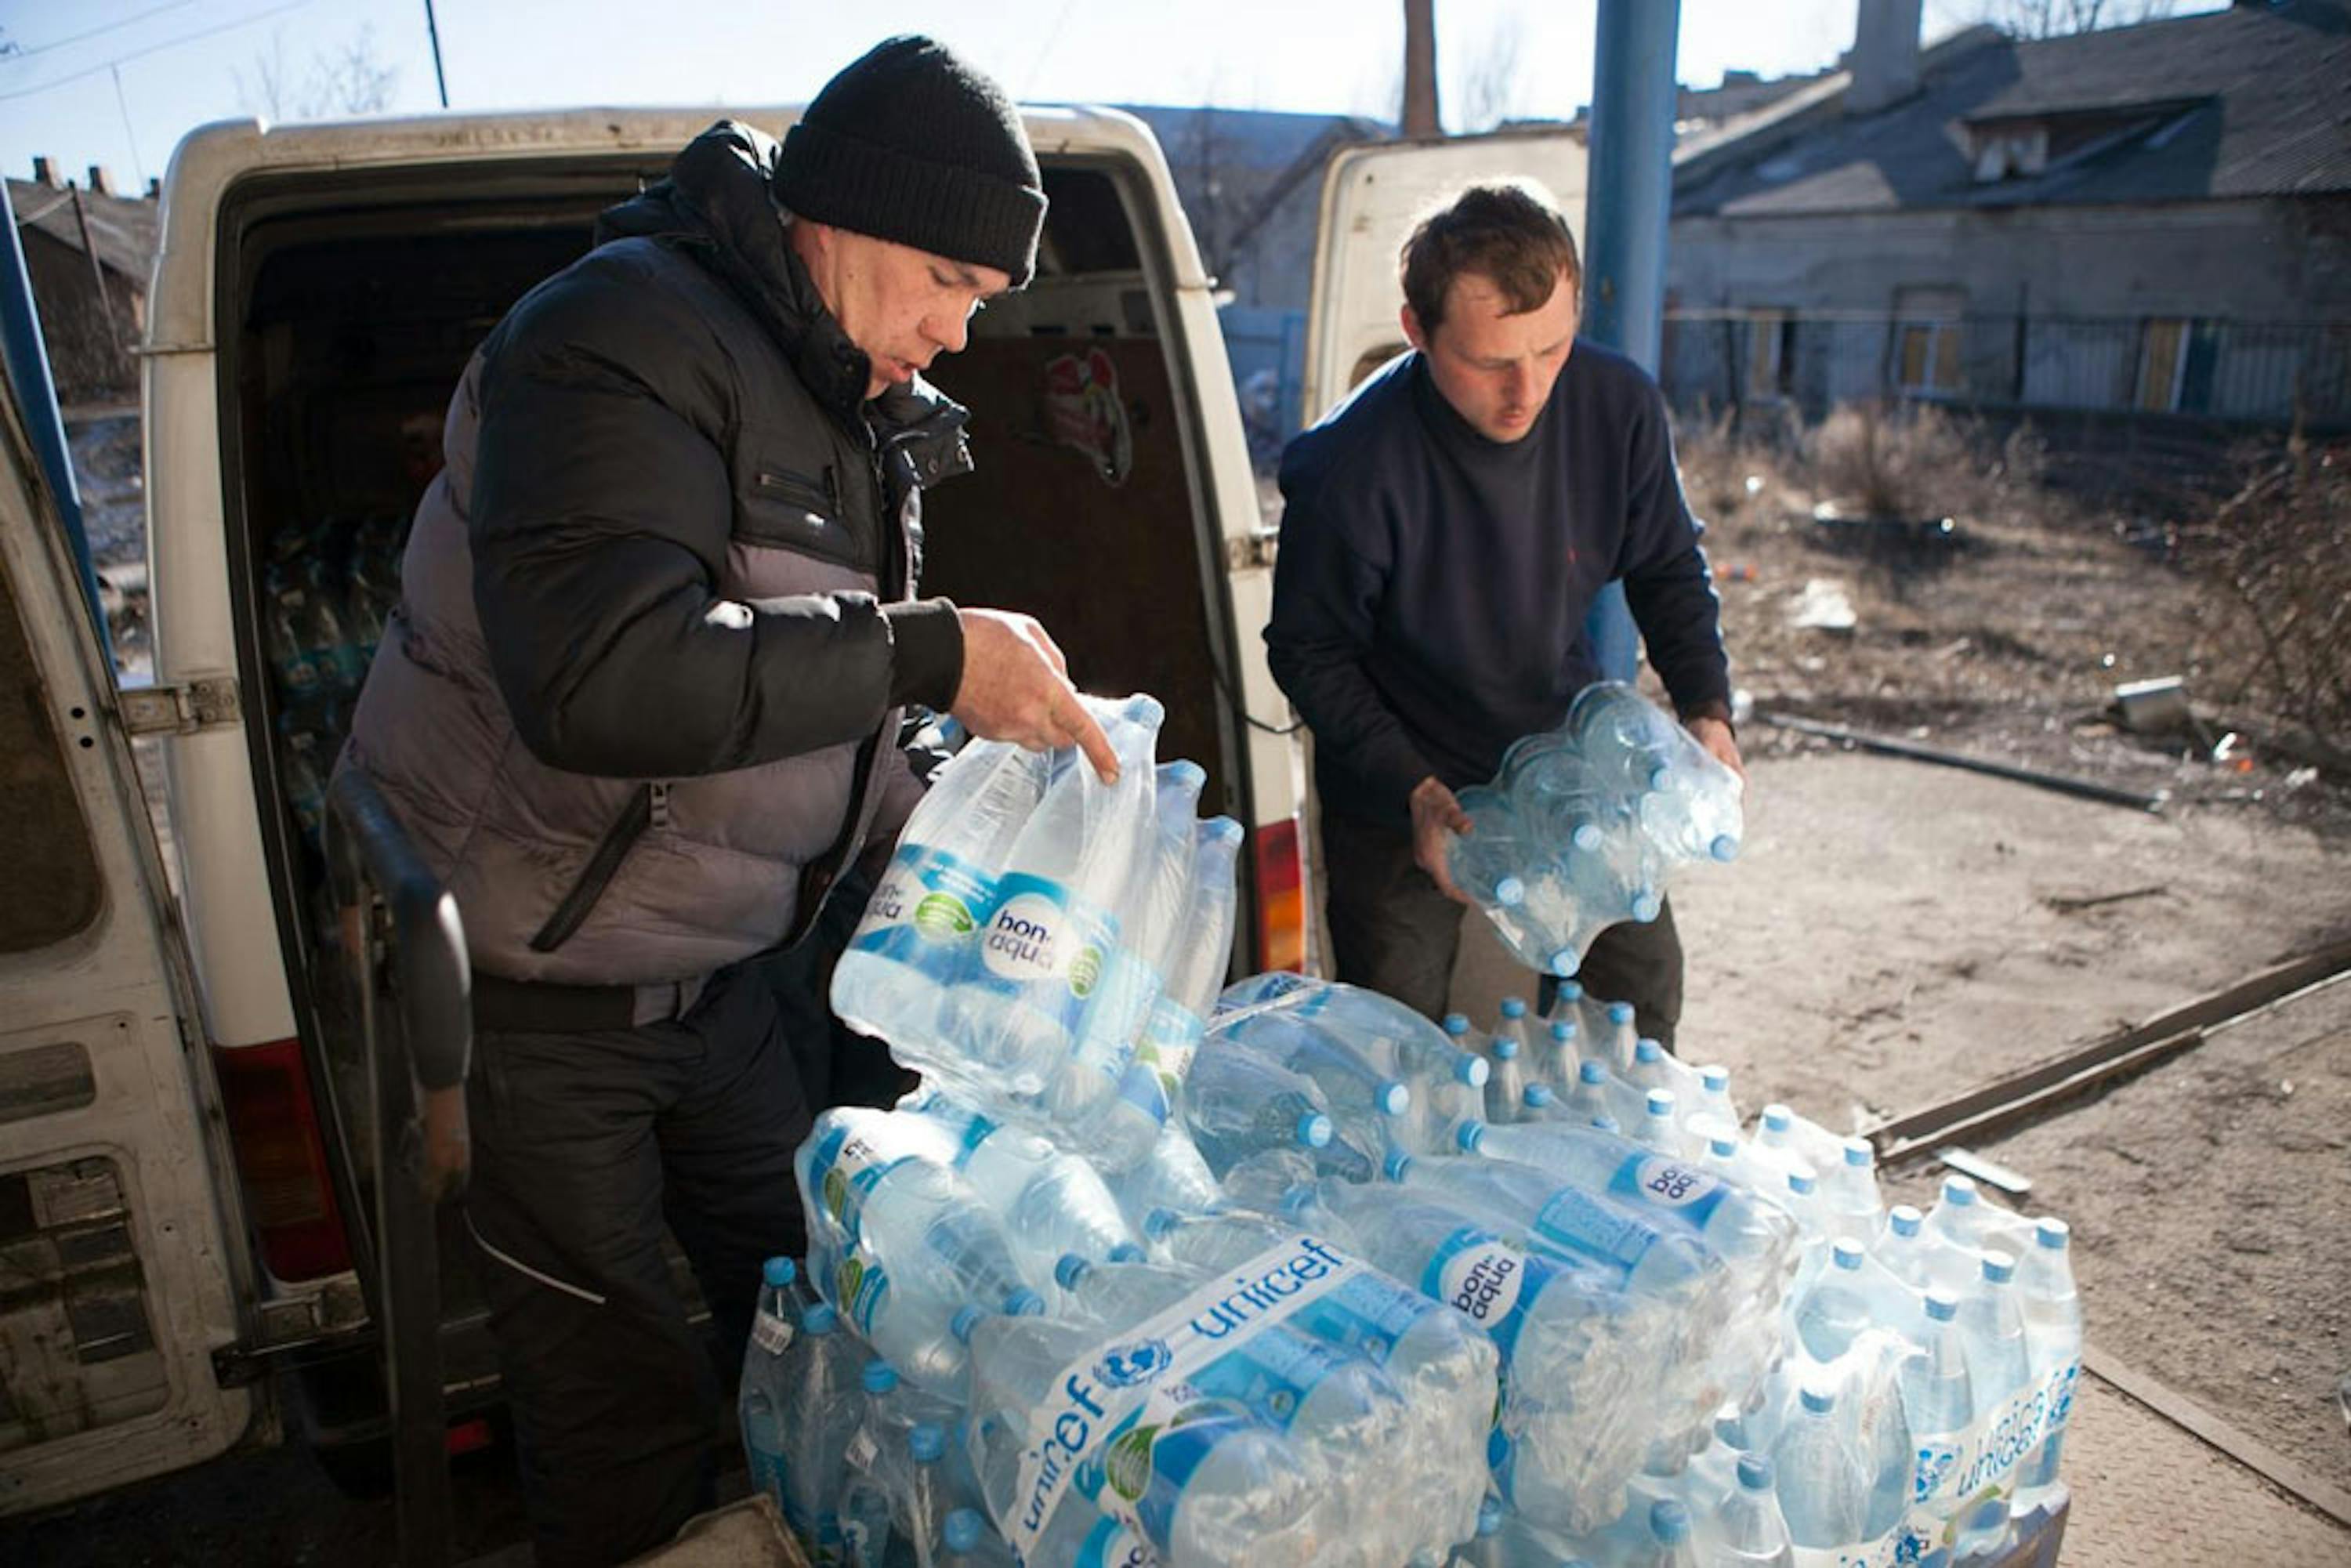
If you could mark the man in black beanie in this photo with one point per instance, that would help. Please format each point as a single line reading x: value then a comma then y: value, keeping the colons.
x: 640, y: 708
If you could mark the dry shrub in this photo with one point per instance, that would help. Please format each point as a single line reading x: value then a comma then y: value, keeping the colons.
x: 2275, y: 552
x: 1918, y: 460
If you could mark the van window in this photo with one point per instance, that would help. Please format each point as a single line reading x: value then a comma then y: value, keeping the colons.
x: 44, y: 841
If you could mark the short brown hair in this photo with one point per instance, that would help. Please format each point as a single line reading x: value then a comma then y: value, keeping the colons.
x: 1501, y: 233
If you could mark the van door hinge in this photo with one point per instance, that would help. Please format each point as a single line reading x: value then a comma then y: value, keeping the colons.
x: 210, y: 704
x: 1252, y: 549
x: 296, y: 1328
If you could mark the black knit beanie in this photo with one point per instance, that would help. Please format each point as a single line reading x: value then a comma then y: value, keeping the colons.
x: 912, y: 144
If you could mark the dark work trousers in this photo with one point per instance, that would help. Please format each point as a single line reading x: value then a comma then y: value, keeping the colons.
x: 586, y: 1144
x: 1392, y: 931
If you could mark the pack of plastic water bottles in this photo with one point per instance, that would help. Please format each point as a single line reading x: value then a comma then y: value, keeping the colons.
x: 1578, y: 831
x: 1044, y: 944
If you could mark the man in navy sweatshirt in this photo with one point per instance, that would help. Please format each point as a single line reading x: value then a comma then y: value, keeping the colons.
x: 1445, y: 532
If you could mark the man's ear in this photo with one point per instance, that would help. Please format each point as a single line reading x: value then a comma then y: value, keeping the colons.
x: 1411, y: 324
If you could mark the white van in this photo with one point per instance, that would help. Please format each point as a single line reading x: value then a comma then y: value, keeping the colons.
x: 183, y: 1178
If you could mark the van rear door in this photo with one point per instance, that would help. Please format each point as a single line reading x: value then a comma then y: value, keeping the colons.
x: 1371, y: 195
x: 119, y: 1272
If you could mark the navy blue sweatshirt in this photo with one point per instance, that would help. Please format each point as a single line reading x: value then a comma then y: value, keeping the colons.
x: 1431, y: 588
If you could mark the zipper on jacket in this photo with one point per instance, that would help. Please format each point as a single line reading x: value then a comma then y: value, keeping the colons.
x: 801, y: 491
x: 598, y: 874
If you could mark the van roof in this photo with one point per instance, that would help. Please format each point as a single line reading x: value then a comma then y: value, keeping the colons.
x: 213, y: 157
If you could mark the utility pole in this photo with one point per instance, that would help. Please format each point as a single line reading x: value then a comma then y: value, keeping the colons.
x: 1420, y: 116
x: 1629, y: 199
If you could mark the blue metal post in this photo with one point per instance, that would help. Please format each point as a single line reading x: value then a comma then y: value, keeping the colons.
x: 1629, y: 197
x: 28, y: 358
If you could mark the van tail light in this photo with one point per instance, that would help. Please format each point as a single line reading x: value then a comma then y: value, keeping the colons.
x: 281, y: 1160
x: 1281, y: 896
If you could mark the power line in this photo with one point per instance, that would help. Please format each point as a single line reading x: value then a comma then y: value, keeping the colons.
x: 278, y: 10
x: 27, y: 54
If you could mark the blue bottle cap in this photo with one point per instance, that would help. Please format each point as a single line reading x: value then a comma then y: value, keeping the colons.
x: 1514, y: 1007
x: 1314, y: 1130
x: 2053, y: 1233
x: 1999, y: 1267
x: 1648, y: 906
x: 1817, y: 1400
x: 926, y: 1442
x: 1755, y: 1472
x: 1802, y: 1183
x: 1391, y: 1098
x: 1903, y: 1220
x: 1722, y: 1148
x: 1942, y: 1306
x: 1159, y: 1222
x: 1958, y: 1191
x: 879, y: 1377
x: 1661, y: 1101
x: 1394, y: 1166
x: 1778, y: 1117
x: 1474, y: 1070
x: 963, y: 1530
x: 1858, y: 1154
x: 1606, y: 1122
x: 1468, y: 1135
x: 1070, y: 1268
x: 1566, y: 961
x: 1724, y: 848
x: 1562, y: 1030
x: 1024, y: 1303
x: 819, y: 1317
x: 1646, y: 1050
x: 1620, y: 1013
x: 1714, y: 1079
x: 1590, y: 1072
x: 1539, y: 1097
x: 1505, y: 1049
x: 780, y: 1272
x: 1571, y: 991
x: 1456, y: 1024
x: 1670, y: 1521
x: 1846, y: 1254
x: 965, y: 1320
x: 1509, y: 892
x: 1128, y: 1252
x: 1587, y: 837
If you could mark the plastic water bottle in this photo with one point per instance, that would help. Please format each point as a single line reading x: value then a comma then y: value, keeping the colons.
x: 1361, y: 1094
x: 1238, y: 1103
x: 1661, y: 1128
x: 1488, y: 862
x: 1560, y: 1057
x: 1938, y: 1400
x: 1823, y: 1487
x: 761, y: 1405
x: 1613, y: 1028
x: 1834, y: 1310
x: 1023, y: 987
x: 1595, y: 1095
x: 1849, y: 1198
x: 971, y: 1542
x: 1147, y: 912
x: 2053, y: 1338
x: 1991, y: 1333
x: 938, y: 892
x: 1171, y: 1176
x: 923, y: 1501
x: 1655, y: 1257
x: 1199, y: 951
x: 1901, y: 1246
x: 1693, y: 812
x: 1050, y: 1201
x: 1871, y: 1410
x: 1715, y: 1113
x: 1514, y: 1025
x: 1749, y: 1530
x: 1667, y: 1189
x: 798, y: 1409
x: 1506, y: 1089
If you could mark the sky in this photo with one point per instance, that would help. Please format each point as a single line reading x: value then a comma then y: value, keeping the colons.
x: 118, y: 82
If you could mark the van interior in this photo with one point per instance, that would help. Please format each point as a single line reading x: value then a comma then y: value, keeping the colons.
x: 351, y: 303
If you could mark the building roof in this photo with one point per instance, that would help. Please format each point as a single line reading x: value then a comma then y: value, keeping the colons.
x: 2252, y: 102
x: 123, y: 228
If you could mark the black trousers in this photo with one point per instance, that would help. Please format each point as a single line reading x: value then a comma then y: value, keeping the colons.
x: 586, y: 1146
x: 1392, y: 931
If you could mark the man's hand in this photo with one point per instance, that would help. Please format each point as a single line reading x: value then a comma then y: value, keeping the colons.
x: 1436, y: 817
x: 1716, y: 736
x: 1016, y: 687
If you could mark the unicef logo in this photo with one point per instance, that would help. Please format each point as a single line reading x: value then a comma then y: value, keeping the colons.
x: 1126, y: 1366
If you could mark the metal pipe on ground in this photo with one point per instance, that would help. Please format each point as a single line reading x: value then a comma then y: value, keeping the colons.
x: 2086, y: 789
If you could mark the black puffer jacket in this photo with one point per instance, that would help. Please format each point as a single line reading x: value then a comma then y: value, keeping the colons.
x: 638, y: 701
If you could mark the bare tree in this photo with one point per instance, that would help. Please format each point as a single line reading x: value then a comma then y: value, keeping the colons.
x: 349, y: 79
x: 2061, y: 18
x: 1490, y: 85
x: 1421, y: 114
